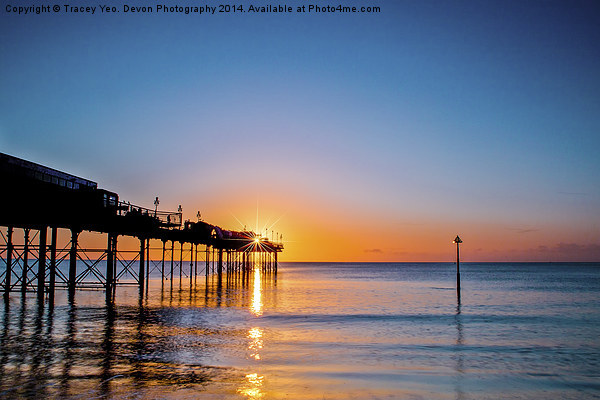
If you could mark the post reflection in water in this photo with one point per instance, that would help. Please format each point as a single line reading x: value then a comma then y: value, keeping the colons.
x: 4, y: 353
x: 460, y: 367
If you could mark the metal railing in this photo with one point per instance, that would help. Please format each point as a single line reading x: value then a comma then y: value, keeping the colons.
x: 167, y: 218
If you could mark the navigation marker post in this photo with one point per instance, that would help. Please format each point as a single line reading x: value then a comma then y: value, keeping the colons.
x: 458, y: 241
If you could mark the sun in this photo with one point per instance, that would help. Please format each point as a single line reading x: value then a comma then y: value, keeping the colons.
x: 261, y: 234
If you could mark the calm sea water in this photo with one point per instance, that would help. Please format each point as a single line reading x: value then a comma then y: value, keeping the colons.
x: 317, y: 331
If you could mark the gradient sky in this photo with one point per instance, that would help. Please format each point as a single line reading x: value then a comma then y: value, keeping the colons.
x: 367, y: 136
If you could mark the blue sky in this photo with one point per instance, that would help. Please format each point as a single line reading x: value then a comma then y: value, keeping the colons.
x: 479, y: 116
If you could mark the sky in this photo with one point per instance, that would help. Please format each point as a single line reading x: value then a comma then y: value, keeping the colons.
x: 358, y: 137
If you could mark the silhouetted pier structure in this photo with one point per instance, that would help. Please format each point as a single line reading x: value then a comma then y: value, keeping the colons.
x: 36, y: 199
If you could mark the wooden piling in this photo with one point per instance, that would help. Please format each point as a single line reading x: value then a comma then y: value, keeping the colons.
x: 9, y: 253
x: 180, y: 260
x: 195, y: 262
x: 141, y: 270
x: 110, y: 255
x: 73, y: 260
x: 172, y: 256
x: 25, y: 261
x: 41, y: 275
x: 207, y: 255
x: 220, y: 264
x: 162, y: 265
x: 191, y: 263
x: 147, y: 263
x: 52, y: 272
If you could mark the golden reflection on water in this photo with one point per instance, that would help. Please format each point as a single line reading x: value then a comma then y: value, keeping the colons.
x: 255, y: 334
x: 252, y: 386
x: 257, y: 305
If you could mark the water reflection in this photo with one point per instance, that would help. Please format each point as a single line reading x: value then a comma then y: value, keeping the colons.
x: 130, y: 347
x: 68, y: 344
x: 460, y: 362
x: 252, y: 387
x: 108, y: 349
x: 257, y: 305
x: 256, y: 344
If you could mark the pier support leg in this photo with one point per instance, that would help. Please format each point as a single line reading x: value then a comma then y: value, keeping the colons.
x: 141, y: 271
x: 42, y: 262
x: 52, y: 278
x: 25, y: 262
x: 275, y: 262
x: 172, y: 256
x: 195, y: 262
x: 115, y: 260
x: 73, y: 260
x: 220, y: 264
x: 191, y: 262
x: 180, y: 261
x: 110, y: 264
x: 162, y: 265
x: 9, y: 253
x: 147, y: 263
x: 207, y: 261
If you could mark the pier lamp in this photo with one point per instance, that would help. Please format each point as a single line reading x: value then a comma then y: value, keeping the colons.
x: 458, y: 241
x: 156, y: 203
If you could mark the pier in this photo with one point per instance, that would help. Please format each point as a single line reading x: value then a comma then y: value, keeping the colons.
x: 44, y: 214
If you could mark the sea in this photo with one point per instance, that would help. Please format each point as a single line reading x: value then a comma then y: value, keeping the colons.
x: 315, y: 331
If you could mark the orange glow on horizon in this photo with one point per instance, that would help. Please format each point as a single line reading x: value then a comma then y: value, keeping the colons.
x: 323, y: 230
